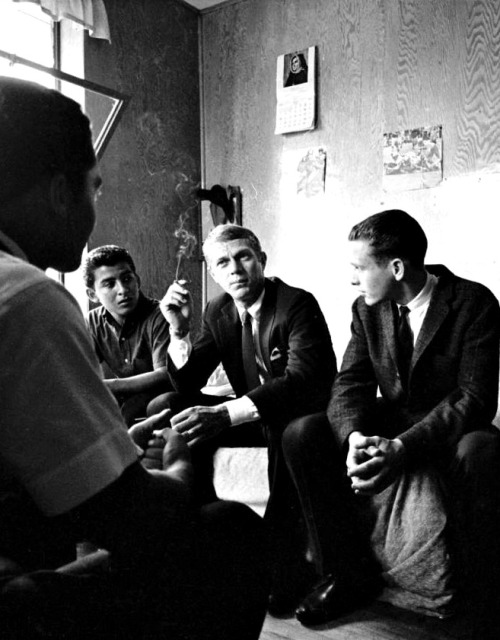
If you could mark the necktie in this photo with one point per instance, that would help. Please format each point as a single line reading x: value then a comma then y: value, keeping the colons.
x: 248, y: 353
x: 405, y: 343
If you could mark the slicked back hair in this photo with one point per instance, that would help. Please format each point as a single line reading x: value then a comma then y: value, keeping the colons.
x: 228, y: 232
x: 393, y: 234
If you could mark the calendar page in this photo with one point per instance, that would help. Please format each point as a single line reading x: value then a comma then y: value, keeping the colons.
x: 296, y: 91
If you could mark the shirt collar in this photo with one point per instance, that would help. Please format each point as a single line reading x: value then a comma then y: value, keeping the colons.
x: 254, y: 309
x: 425, y: 294
x: 12, y: 247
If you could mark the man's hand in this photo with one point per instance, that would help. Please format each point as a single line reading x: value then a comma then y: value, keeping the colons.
x: 142, y: 432
x: 373, y: 463
x: 168, y: 451
x: 200, y: 423
x: 177, y: 308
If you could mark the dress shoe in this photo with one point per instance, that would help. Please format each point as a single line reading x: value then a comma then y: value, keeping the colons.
x: 288, y: 591
x: 334, y: 596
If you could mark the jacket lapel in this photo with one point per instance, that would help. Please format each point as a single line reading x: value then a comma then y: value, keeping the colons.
x: 389, y: 313
x: 230, y: 325
x: 266, y: 323
x: 434, y: 318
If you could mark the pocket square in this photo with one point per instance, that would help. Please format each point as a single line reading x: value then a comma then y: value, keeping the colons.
x: 276, y: 354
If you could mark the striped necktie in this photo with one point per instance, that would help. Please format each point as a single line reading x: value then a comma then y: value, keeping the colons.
x: 248, y: 353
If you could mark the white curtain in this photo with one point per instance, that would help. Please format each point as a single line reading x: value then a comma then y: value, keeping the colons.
x: 89, y: 14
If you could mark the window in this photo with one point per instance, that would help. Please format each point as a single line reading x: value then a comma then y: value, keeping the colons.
x: 34, y: 47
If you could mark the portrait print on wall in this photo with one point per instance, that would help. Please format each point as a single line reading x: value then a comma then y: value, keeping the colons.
x: 296, y: 91
x: 295, y: 68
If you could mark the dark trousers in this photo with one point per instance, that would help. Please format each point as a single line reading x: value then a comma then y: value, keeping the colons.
x: 472, y: 480
x: 283, y: 515
x: 216, y: 588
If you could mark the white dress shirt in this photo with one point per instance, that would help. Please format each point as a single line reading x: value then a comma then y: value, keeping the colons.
x: 419, y: 305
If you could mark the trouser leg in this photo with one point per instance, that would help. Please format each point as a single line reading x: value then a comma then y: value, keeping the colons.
x: 474, y: 483
x: 283, y: 513
x: 317, y: 467
x: 229, y: 577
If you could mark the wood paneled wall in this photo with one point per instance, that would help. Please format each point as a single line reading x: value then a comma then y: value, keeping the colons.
x: 152, y: 165
x: 383, y: 65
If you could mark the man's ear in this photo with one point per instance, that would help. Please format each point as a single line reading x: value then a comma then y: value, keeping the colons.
x: 398, y: 269
x: 92, y: 295
x: 60, y: 194
x: 263, y: 259
x: 138, y: 280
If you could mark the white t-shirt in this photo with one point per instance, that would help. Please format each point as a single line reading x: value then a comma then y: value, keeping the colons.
x: 61, y: 432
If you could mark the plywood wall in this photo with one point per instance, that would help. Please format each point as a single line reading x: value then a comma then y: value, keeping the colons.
x: 383, y: 65
x: 152, y: 165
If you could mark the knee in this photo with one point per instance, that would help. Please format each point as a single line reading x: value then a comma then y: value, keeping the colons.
x: 478, y: 454
x: 311, y: 431
x: 233, y: 520
x: 159, y: 403
x: 171, y: 400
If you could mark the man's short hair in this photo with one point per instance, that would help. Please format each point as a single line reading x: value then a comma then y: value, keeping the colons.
x: 228, y: 232
x: 42, y: 133
x: 106, y: 256
x: 392, y: 234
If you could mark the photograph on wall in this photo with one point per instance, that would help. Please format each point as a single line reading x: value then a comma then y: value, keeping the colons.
x: 296, y: 91
x: 413, y: 159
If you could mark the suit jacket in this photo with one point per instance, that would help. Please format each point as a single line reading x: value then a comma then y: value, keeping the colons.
x: 296, y: 349
x: 453, y: 381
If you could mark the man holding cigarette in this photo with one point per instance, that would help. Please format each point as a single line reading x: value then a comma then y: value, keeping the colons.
x: 129, y: 332
x: 275, y: 347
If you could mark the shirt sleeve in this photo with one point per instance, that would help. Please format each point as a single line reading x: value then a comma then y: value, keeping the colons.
x: 179, y: 350
x: 242, y: 410
x: 62, y: 436
x: 160, y: 339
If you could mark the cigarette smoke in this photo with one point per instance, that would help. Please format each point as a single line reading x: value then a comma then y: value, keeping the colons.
x: 186, y: 191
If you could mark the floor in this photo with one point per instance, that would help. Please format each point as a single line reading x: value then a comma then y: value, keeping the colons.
x: 380, y: 621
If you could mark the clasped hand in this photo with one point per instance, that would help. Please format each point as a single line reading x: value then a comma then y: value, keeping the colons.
x: 200, y: 423
x: 373, y: 463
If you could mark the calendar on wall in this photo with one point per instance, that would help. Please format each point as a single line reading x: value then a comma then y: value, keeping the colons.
x: 296, y: 91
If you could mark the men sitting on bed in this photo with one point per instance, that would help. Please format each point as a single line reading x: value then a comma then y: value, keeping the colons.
x: 428, y: 341
x: 129, y: 332
x: 69, y: 470
x: 274, y: 344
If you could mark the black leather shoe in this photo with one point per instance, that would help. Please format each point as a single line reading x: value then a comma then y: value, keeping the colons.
x: 334, y: 596
x: 288, y: 591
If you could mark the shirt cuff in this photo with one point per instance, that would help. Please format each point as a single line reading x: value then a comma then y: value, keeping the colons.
x: 179, y: 350
x: 241, y: 410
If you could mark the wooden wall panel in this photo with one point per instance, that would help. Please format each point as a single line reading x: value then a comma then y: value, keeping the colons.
x: 382, y: 65
x: 152, y: 165
x: 478, y: 122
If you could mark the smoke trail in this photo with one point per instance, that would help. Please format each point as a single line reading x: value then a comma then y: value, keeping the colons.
x: 186, y: 191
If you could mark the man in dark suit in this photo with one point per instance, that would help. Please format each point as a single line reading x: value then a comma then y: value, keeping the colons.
x: 428, y: 341
x: 293, y: 365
